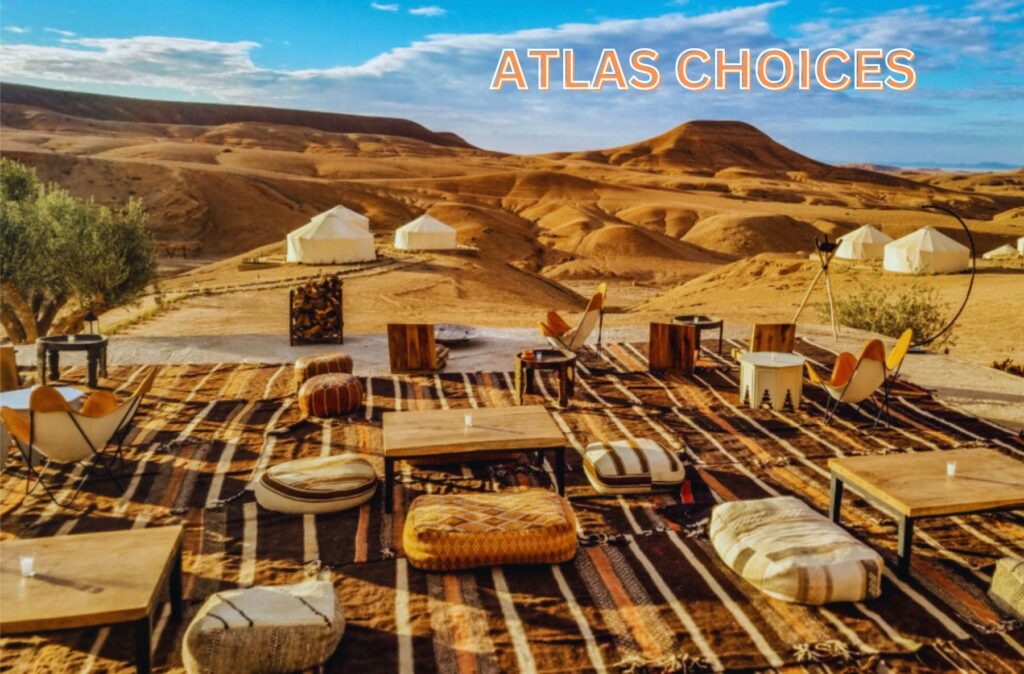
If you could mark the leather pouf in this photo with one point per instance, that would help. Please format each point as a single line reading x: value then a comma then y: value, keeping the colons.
x: 322, y: 484
x: 325, y: 363
x: 264, y: 630
x: 446, y: 532
x: 330, y: 395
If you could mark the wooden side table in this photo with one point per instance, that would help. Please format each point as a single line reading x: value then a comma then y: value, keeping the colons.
x: 672, y: 348
x: 702, y: 323
x: 546, y: 359
x: 95, y: 347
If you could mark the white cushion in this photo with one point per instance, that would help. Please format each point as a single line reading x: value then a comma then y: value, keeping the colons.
x: 791, y: 552
x: 264, y: 630
x: 631, y: 467
x: 317, y: 485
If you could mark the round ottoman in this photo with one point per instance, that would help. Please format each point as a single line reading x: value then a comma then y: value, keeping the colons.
x: 330, y: 395
x: 325, y: 363
x: 323, y: 484
x: 272, y: 629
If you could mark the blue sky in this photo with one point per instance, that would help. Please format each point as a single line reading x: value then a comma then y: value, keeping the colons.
x: 432, y: 61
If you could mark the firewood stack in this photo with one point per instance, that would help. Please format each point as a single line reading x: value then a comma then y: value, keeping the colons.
x: 315, y: 312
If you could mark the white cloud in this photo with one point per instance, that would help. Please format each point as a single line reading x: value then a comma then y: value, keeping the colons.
x: 384, y: 7
x: 17, y: 29
x: 58, y: 31
x: 429, y: 10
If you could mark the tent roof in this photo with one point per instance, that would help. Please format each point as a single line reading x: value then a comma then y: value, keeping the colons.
x: 1005, y: 249
x: 866, y: 234
x: 331, y: 226
x: 343, y: 212
x: 928, y: 239
x: 426, y: 223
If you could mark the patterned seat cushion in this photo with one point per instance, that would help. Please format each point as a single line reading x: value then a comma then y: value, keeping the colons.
x: 331, y: 395
x: 325, y: 363
x: 631, y: 467
x: 791, y: 552
x: 264, y: 630
x: 317, y: 485
x: 462, y: 531
x: 1007, y: 589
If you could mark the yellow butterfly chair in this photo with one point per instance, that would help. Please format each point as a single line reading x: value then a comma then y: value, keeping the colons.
x: 566, y: 338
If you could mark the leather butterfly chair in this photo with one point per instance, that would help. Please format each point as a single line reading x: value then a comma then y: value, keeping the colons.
x: 565, y: 338
x: 61, y: 434
x: 854, y: 379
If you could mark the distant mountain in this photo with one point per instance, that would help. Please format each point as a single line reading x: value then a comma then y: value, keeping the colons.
x: 121, y: 109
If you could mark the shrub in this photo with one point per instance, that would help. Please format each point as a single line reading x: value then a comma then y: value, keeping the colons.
x: 889, y: 311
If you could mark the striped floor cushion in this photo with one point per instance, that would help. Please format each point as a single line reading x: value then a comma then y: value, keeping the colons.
x: 1007, y: 589
x: 325, y: 363
x: 791, y: 552
x: 331, y: 395
x: 264, y: 630
x: 446, y: 532
x: 631, y: 467
x: 317, y: 485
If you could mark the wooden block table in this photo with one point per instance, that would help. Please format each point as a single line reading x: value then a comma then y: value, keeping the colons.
x: 432, y: 434
x: 779, y: 376
x: 87, y: 580
x: 914, y: 485
x: 672, y: 348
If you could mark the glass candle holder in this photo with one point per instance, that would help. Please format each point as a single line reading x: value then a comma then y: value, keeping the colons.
x: 71, y: 339
x: 468, y: 420
x: 951, y: 468
x: 28, y: 565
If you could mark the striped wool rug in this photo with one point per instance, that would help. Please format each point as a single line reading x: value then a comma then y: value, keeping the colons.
x: 645, y: 592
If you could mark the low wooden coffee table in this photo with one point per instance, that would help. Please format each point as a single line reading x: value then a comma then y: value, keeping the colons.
x: 432, y: 434
x: 87, y: 580
x: 915, y: 486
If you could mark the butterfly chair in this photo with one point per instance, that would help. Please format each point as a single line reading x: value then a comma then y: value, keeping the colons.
x: 561, y: 336
x: 893, y: 363
x: 854, y: 379
x: 63, y: 435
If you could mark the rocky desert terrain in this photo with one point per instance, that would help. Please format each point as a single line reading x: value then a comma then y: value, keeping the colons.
x: 711, y: 216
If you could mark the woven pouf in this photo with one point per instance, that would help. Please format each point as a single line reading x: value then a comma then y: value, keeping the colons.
x: 330, y: 395
x: 317, y: 485
x: 325, y: 363
x: 1007, y: 589
x: 445, y: 532
x: 264, y: 630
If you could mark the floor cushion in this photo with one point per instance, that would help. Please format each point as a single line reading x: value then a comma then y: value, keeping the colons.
x: 793, y: 553
x: 445, y: 532
x: 1007, y: 589
x: 264, y: 630
x: 631, y: 467
x: 318, y: 485
x: 325, y: 363
x: 330, y: 395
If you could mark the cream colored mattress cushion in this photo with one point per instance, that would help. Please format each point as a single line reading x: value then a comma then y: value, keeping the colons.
x: 317, y: 485
x: 632, y: 467
x: 791, y: 552
x: 264, y: 630
x: 1007, y: 589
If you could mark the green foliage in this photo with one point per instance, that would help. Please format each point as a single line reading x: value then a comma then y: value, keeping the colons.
x: 61, y: 256
x: 890, y: 310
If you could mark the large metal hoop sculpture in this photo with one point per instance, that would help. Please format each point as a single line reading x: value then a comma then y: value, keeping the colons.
x: 970, y: 285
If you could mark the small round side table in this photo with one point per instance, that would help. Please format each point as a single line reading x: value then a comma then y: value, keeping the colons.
x: 95, y: 347
x: 546, y: 359
x: 702, y: 323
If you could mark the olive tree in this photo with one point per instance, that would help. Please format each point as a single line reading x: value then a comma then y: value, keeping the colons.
x: 61, y: 257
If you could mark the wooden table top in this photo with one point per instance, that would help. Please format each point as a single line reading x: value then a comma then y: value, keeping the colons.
x: 84, y: 580
x: 916, y: 484
x: 422, y: 433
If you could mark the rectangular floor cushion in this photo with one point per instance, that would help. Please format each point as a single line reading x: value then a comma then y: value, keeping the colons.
x: 445, y: 532
x: 317, y: 485
x: 1007, y: 589
x: 793, y: 553
x: 632, y: 467
x: 264, y: 630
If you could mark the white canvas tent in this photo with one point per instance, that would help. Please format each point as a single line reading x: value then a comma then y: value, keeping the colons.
x: 1004, y: 252
x: 347, y: 215
x: 1020, y: 246
x: 863, y: 243
x: 926, y: 251
x: 330, y: 239
x: 425, y: 233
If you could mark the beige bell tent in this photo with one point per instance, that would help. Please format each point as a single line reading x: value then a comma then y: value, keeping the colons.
x: 926, y: 251
x: 330, y: 238
x: 346, y: 214
x: 863, y: 243
x: 425, y: 233
x: 1004, y: 252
